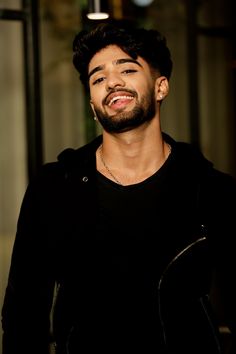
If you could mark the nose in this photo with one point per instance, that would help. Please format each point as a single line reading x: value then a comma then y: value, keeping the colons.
x: 114, y: 79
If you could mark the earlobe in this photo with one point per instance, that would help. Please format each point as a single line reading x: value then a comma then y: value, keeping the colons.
x: 92, y: 106
x: 161, y: 88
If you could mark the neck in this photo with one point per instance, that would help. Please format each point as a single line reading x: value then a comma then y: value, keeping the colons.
x: 128, y: 169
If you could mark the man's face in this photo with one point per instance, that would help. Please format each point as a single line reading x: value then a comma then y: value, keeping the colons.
x: 122, y: 90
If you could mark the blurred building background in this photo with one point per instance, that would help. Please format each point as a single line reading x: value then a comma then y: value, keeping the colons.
x: 44, y: 109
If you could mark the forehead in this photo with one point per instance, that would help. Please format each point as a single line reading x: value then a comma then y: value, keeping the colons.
x: 109, y: 54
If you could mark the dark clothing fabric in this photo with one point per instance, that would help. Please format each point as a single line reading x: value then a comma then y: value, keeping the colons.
x: 136, y: 267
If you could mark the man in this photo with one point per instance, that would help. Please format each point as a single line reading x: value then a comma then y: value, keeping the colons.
x: 134, y: 228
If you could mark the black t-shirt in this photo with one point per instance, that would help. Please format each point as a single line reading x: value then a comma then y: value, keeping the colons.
x: 139, y: 229
x: 131, y: 252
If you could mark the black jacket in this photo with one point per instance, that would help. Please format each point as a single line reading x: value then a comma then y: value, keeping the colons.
x: 53, y: 244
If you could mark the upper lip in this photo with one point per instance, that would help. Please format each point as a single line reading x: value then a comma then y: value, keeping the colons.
x: 121, y: 93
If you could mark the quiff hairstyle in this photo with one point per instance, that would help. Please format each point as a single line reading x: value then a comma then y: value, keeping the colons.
x: 149, y: 44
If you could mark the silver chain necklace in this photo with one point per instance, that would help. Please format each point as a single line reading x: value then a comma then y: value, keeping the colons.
x: 108, y: 169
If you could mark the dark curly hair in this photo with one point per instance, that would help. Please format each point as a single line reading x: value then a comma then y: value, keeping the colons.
x: 148, y: 44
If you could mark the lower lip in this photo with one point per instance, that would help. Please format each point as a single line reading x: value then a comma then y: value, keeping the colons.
x: 120, y: 104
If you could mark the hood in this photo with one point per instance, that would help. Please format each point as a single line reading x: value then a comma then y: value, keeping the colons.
x: 187, y: 157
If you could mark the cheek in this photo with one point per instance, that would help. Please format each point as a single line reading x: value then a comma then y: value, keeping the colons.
x: 97, y: 103
x: 144, y: 84
x: 97, y: 96
x: 144, y: 89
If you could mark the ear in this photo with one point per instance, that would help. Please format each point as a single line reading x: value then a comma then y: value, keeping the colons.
x: 92, y: 106
x: 161, y: 88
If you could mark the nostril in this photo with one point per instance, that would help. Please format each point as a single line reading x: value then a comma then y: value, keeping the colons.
x: 114, y: 80
x: 114, y: 83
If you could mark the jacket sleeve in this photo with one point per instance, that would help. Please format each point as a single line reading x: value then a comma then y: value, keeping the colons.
x: 221, y: 208
x: 29, y: 292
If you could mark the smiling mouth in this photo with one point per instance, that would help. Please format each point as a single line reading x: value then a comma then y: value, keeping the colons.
x: 120, y: 98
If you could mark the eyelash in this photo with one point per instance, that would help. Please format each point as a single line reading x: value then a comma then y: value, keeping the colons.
x: 100, y: 79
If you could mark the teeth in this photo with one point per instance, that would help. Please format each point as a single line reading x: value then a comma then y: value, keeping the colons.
x: 119, y: 98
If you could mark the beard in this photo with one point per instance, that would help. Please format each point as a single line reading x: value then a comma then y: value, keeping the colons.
x: 125, y: 121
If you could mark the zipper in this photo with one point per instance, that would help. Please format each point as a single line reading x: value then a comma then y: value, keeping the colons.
x: 163, y: 275
x: 53, y: 344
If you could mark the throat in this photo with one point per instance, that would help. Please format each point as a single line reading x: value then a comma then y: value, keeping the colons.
x: 124, y: 180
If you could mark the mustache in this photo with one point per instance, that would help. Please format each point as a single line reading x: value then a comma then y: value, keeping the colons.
x: 118, y: 89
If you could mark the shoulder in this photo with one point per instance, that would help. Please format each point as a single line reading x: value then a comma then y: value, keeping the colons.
x: 83, y: 154
x: 187, y: 153
x: 67, y: 161
x: 190, y: 163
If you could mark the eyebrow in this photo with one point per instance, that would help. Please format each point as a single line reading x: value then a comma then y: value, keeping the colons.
x: 116, y: 62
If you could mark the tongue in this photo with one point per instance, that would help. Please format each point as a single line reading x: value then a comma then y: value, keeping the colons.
x: 120, y: 103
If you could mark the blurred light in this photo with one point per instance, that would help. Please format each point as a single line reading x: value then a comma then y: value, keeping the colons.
x: 142, y: 2
x: 95, y: 10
